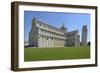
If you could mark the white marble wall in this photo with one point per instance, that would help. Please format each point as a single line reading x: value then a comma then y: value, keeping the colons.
x: 44, y: 42
x: 49, y: 36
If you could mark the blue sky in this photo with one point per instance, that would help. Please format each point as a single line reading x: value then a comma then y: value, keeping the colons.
x: 72, y: 21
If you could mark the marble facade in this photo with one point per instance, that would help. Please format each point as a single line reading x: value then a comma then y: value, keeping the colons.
x: 45, y: 35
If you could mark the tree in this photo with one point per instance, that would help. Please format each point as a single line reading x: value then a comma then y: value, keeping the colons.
x: 89, y: 43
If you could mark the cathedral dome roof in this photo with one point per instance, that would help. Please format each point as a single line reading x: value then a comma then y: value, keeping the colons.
x: 63, y: 26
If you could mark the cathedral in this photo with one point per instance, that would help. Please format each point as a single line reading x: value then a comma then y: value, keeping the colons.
x: 45, y: 35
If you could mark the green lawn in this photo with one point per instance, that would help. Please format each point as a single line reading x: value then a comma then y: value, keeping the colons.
x: 37, y: 54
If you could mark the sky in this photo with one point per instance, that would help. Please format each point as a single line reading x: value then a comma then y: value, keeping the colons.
x: 72, y: 21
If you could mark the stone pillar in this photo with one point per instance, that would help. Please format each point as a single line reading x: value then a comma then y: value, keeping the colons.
x: 46, y: 43
x: 39, y: 41
x: 43, y: 41
x: 50, y: 44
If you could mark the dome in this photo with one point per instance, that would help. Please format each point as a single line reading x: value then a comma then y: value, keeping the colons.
x: 63, y: 28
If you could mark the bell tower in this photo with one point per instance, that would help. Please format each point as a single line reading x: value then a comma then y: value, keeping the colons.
x: 84, y: 35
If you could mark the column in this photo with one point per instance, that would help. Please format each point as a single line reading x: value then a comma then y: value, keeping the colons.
x: 44, y: 41
x: 49, y: 42
x: 39, y: 41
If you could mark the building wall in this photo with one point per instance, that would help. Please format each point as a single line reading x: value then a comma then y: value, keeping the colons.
x: 45, y: 35
x: 49, y: 36
x: 73, y: 38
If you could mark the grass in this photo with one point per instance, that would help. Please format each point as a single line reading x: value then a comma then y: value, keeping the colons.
x: 39, y: 54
